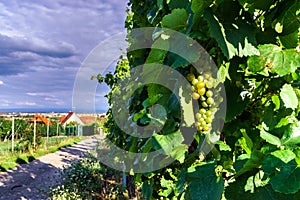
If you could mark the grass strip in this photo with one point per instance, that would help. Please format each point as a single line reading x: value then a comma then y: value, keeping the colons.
x: 12, y: 159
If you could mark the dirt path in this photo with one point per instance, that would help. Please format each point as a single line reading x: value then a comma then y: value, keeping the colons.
x: 27, y: 180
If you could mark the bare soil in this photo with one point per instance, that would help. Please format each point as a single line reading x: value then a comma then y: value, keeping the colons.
x: 33, y: 180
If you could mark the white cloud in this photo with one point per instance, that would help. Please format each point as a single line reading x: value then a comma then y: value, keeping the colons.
x: 1, y: 83
x: 26, y: 103
x: 39, y: 94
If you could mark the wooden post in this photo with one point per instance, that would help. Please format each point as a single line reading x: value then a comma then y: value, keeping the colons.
x: 13, y: 134
x: 34, y: 133
x: 57, y: 129
x: 47, y: 133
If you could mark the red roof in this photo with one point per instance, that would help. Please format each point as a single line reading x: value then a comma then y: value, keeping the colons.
x: 63, y: 119
x: 41, y: 119
x: 88, y: 119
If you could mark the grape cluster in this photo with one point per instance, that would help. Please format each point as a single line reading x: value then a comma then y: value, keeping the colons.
x: 202, y: 88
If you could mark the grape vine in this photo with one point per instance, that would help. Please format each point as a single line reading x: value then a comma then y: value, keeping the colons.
x: 255, y: 45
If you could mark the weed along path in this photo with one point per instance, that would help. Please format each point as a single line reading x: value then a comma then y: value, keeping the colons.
x: 28, y: 181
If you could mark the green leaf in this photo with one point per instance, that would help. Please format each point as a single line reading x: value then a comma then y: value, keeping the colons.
x: 178, y: 152
x: 147, y: 188
x: 235, y: 103
x: 176, y: 61
x: 198, y: 7
x: 290, y: 40
x: 138, y: 115
x: 289, y: 19
x: 223, y: 146
x: 276, y: 101
x: 223, y: 73
x: 291, y: 134
x: 235, y: 39
x: 150, y: 101
x: 249, y: 162
x: 273, y: 59
x: 289, y: 97
x: 167, y: 142
x: 160, y: 4
x: 187, y: 108
x: 177, y: 4
x: 280, y: 166
x: 270, y: 138
x: 157, y: 55
x: 237, y: 190
x: 203, y: 183
x: 169, y: 185
x: 249, y: 142
x: 177, y: 20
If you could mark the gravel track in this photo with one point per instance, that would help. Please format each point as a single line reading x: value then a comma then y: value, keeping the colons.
x: 28, y: 181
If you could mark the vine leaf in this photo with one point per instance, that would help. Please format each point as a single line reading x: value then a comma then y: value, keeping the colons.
x: 289, y: 19
x: 290, y: 40
x: 167, y: 142
x: 291, y: 134
x: 157, y: 55
x: 289, y: 97
x: 273, y: 59
x: 198, y: 7
x: 259, y: 191
x: 169, y: 185
x: 203, y: 182
x: 280, y: 166
x: 176, y: 20
x: 234, y: 101
x: 246, y: 162
x: 223, y: 146
x: 235, y: 39
x: 272, y: 139
x: 276, y: 101
x: 223, y: 73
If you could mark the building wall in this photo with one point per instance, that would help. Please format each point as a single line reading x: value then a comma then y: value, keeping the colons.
x: 74, y: 118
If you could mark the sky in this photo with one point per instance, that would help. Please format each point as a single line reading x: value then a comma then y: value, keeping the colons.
x: 43, y: 44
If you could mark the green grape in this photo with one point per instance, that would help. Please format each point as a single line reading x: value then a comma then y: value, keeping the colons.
x: 203, y: 123
x: 197, y: 124
x: 204, y: 104
x: 210, y: 101
x: 198, y: 116
x: 214, y: 110
x: 202, y: 111
x: 205, y: 128
x: 209, y: 84
x: 208, y: 113
x: 208, y: 120
x: 201, y: 91
x: 199, y: 128
x: 193, y: 88
x: 190, y: 77
x: 195, y: 81
x: 195, y: 95
x: 207, y: 76
x: 201, y: 120
x: 200, y: 85
x: 200, y: 78
x: 209, y: 93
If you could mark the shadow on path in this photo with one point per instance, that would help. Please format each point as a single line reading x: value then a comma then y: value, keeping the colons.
x: 28, y: 181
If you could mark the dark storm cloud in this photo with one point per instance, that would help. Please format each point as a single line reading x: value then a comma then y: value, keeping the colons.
x: 43, y: 43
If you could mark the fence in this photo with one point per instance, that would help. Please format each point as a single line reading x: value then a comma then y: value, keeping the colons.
x: 80, y: 130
